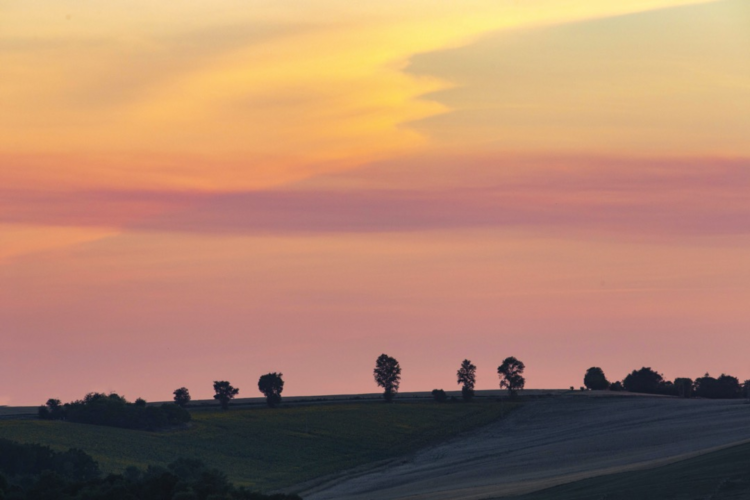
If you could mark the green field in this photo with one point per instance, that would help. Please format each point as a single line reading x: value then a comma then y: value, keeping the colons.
x: 269, y: 449
x: 720, y: 475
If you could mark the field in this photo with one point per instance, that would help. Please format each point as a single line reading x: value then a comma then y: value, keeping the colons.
x: 555, y: 441
x: 270, y: 449
x: 720, y: 475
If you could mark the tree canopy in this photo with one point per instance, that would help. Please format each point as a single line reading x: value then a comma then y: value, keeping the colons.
x: 595, y: 379
x: 114, y: 410
x: 511, y: 375
x: 181, y: 397
x: 35, y: 472
x: 387, y: 374
x: 683, y: 386
x: 467, y: 377
x: 224, y: 393
x: 271, y: 385
x: 644, y: 380
x: 724, y: 387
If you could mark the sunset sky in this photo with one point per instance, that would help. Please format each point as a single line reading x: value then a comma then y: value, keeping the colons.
x: 195, y: 191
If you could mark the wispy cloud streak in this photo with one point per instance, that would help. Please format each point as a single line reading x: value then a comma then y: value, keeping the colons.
x: 637, y: 197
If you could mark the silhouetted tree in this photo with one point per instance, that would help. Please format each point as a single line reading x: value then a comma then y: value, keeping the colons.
x: 271, y: 385
x: 616, y: 386
x: 140, y: 402
x: 387, y: 374
x: 36, y: 472
x: 724, y: 387
x: 182, y: 397
x: 114, y: 410
x: 746, y: 389
x: 595, y: 379
x: 667, y: 388
x: 644, y: 380
x: 467, y: 376
x: 684, y: 387
x: 511, y: 377
x: 52, y: 410
x: 224, y: 393
x: 439, y: 395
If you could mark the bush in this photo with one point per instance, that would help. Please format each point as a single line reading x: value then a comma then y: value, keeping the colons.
x: 439, y: 395
x: 18, y: 459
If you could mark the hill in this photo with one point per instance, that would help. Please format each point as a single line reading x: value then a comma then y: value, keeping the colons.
x: 550, y: 442
x: 719, y: 475
x: 270, y: 449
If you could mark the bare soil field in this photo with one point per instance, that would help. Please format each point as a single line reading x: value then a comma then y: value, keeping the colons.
x: 551, y: 441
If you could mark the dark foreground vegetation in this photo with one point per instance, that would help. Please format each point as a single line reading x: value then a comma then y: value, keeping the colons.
x: 35, y: 472
x: 115, y: 411
x: 266, y: 449
x: 648, y: 381
x: 720, y: 475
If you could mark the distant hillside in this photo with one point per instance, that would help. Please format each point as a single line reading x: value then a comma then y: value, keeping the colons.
x: 268, y: 449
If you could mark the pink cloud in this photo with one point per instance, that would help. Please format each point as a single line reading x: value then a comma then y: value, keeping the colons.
x: 649, y: 197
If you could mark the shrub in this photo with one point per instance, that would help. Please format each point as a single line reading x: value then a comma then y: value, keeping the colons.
x: 439, y: 395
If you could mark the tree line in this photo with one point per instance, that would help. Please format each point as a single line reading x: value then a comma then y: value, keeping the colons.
x: 36, y: 472
x: 114, y: 410
x: 650, y: 381
x: 387, y: 375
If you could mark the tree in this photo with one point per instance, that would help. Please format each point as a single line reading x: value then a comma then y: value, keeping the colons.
x: 467, y: 376
x: 271, y: 385
x: 439, y: 395
x: 595, y: 379
x: 387, y: 374
x: 182, y: 397
x: 511, y: 377
x: 140, y: 402
x: 746, y: 389
x: 224, y: 393
x: 616, y: 386
x: 684, y: 387
x: 644, y: 380
x: 724, y: 387
x: 53, y: 410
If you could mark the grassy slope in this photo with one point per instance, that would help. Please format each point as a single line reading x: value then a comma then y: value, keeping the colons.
x: 720, y: 475
x: 268, y: 449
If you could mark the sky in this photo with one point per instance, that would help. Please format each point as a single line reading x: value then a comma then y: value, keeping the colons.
x: 194, y: 192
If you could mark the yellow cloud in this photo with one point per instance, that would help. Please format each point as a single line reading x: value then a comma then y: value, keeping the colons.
x: 250, y: 95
